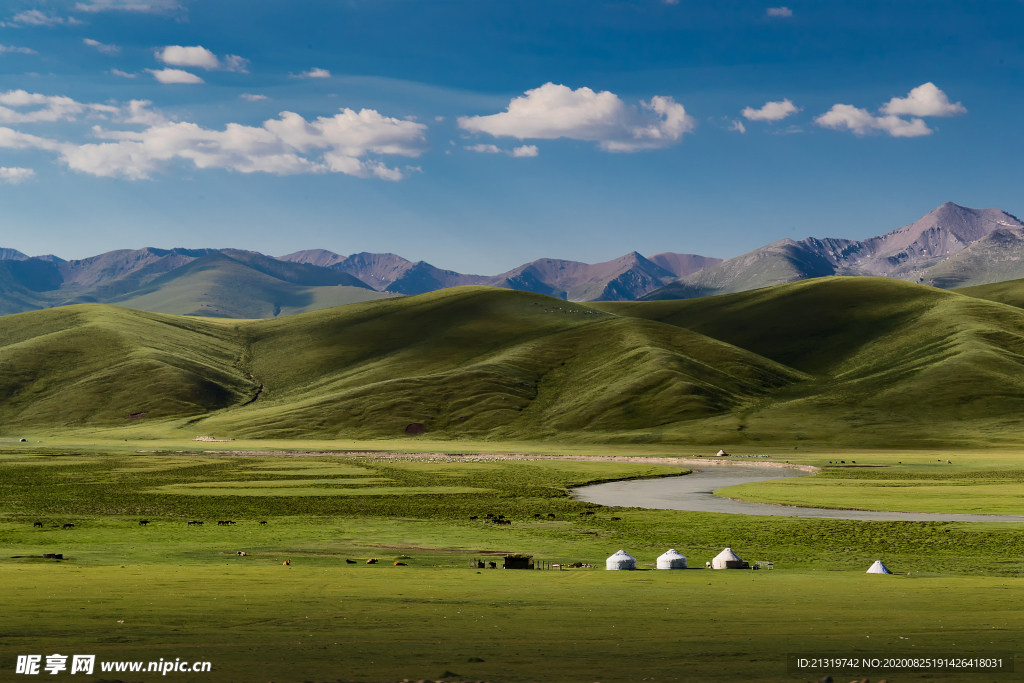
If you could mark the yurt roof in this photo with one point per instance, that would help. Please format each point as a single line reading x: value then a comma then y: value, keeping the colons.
x: 622, y: 555
x: 728, y: 555
x: 671, y: 554
x: 877, y: 567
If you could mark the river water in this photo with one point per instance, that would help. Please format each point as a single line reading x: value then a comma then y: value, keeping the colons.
x: 695, y: 492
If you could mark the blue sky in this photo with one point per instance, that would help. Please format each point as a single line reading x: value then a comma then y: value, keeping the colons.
x: 480, y: 135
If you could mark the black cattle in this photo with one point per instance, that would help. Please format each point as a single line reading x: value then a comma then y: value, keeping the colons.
x: 616, y: 519
x: 143, y: 522
x: 551, y: 515
x: 68, y: 526
x: 38, y: 525
x: 263, y: 522
x: 193, y: 522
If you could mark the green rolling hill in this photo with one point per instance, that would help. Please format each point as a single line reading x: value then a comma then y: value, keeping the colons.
x: 832, y: 361
x: 1010, y: 292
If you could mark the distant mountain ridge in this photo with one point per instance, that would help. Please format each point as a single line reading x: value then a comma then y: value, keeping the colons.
x: 209, y: 282
x: 622, y: 279
x: 951, y: 246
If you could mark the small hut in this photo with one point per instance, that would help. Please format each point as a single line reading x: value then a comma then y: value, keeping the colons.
x: 722, y: 454
x: 878, y: 568
x: 727, y: 559
x: 671, y: 560
x: 620, y: 561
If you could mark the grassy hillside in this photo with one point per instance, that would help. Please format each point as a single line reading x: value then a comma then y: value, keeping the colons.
x: 892, y: 362
x: 477, y: 361
x: 1010, y: 293
x: 95, y: 365
x: 848, y: 362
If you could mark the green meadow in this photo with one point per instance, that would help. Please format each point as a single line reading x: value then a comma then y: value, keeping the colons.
x: 130, y: 592
x: 907, y: 398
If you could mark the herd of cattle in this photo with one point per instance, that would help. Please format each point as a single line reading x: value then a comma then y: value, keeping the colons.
x: 146, y: 522
x: 502, y: 520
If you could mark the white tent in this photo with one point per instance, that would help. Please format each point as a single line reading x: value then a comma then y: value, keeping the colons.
x: 620, y: 561
x: 727, y: 559
x: 672, y: 560
x: 878, y: 568
x: 722, y: 454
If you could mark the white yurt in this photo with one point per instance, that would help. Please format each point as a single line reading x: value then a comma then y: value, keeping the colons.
x: 620, y: 561
x: 727, y: 559
x: 878, y: 568
x: 722, y: 454
x: 672, y: 560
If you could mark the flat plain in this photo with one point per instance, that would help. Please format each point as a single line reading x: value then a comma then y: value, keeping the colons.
x: 168, y: 589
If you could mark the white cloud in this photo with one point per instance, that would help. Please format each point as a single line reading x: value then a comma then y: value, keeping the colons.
x: 45, y: 108
x: 12, y: 175
x: 122, y: 74
x: 555, y: 111
x: 439, y: 119
x: 21, y: 50
x: 283, y: 146
x: 779, y: 12
x: 105, y: 49
x: 150, y: 7
x: 860, y: 122
x: 34, y: 17
x: 485, y: 149
x: 771, y: 111
x: 313, y: 73
x: 175, y: 76
x: 252, y: 98
x: 924, y: 100
x: 671, y: 2
x: 523, y: 151
x: 12, y: 139
x: 199, y: 56
x: 738, y: 126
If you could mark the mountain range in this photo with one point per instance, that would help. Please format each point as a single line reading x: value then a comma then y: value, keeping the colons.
x: 622, y: 279
x: 233, y: 283
x: 952, y: 246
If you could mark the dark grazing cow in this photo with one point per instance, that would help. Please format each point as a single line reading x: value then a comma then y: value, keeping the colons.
x: 69, y: 525
x: 263, y: 522
x: 193, y: 522
x: 143, y: 522
x: 38, y: 525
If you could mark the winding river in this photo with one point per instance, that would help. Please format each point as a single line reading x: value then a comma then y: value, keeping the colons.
x: 695, y: 492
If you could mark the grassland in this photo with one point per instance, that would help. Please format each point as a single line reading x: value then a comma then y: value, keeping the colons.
x: 833, y: 362
x: 129, y: 592
x: 883, y: 373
